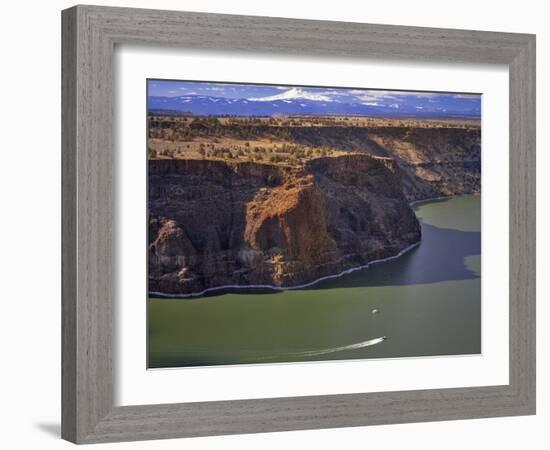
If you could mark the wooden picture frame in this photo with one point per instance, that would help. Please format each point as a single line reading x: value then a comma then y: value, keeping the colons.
x: 90, y: 34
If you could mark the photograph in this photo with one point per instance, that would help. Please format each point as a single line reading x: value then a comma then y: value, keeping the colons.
x: 272, y: 226
x: 291, y: 223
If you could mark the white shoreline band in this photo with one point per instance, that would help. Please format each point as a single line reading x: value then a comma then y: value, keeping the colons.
x: 285, y: 288
x: 311, y: 283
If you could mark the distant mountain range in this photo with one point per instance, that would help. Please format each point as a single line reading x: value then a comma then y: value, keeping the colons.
x: 297, y: 101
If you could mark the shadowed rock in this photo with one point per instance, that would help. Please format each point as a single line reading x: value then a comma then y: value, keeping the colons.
x: 215, y: 223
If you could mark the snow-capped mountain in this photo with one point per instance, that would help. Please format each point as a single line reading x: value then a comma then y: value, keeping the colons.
x: 299, y: 101
x: 294, y: 93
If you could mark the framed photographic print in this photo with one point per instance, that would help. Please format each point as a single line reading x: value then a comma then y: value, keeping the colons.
x: 287, y: 209
x: 264, y: 228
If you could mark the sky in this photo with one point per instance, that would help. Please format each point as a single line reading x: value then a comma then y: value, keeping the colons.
x: 447, y: 102
x: 163, y: 88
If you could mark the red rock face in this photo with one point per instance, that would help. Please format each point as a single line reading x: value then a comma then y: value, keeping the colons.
x: 288, y: 226
x: 213, y: 223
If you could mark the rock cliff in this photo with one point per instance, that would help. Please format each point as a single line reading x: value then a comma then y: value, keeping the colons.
x: 215, y: 223
x: 435, y: 158
x: 433, y: 161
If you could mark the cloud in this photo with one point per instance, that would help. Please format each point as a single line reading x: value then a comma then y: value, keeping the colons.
x: 373, y: 95
x: 373, y: 98
x: 422, y: 94
x: 370, y: 93
x: 468, y: 96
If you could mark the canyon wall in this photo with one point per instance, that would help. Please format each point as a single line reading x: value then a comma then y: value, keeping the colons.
x: 215, y: 223
x: 435, y: 159
x: 434, y: 162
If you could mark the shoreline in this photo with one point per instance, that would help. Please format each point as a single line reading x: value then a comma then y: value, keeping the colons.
x: 442, y: 197
x: 283, y: 288
x: 194, y: 295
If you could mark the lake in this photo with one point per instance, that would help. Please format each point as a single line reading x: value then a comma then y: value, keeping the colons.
x: 426, y: 302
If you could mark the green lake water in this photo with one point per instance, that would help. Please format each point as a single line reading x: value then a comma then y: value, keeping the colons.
x: 428, y: 302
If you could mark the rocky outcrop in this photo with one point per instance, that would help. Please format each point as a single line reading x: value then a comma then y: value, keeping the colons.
x: 215, y: 223
x: 433, y: 161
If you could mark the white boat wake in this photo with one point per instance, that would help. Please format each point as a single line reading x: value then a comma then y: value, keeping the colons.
x: 342, y: 348
x: 248, y: 357
x: 325, y: 351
